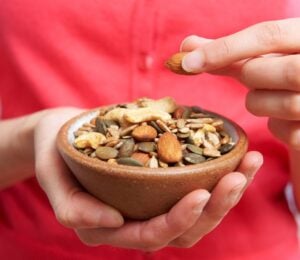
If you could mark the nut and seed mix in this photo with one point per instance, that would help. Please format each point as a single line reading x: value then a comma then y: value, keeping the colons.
x: 153, y: 133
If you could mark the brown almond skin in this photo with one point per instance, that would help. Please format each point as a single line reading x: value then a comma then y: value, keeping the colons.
x: 141, y: 157
x: 174, y: 64
x: 144, y: 133
x: 178, y: 112
x: 169, y: 148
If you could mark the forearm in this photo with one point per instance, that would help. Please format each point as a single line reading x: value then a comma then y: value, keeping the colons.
x: 17, y: 148
x: 295, y: 174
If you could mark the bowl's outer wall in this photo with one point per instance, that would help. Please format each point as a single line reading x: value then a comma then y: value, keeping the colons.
x: 145, y: 195
x: 143, y: 198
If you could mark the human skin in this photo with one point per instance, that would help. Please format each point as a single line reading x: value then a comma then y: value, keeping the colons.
x: 265, y: 58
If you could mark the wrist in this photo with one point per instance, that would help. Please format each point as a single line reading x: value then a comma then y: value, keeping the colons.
x: 17, y: 148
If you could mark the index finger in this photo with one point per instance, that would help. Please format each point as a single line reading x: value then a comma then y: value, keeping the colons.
x: 268, y: 37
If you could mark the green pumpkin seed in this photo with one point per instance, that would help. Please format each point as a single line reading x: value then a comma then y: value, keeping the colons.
x: 225, y: 148
x: 146, y: 147
x: 194, y: 149
x: 129, y: 161
x: 126, y: 150
x: 194, y: 158
x: 105, y: 152
x: 100, y: 126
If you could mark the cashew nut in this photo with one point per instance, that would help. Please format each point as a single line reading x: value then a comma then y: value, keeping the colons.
x: 90, y: 139
x: 145, y: 114
x: 166, y: 104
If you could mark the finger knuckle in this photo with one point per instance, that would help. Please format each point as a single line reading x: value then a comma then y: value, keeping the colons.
x: 221, y: 53
x: 184, y: 242
x: 270, y: 34
x: 217, y: 216
x: 87, y: 239
x: 149, y: 241
x: 292, y: 106
x: 224, y: 48
x: 292, y: 73
x: 65, y: 217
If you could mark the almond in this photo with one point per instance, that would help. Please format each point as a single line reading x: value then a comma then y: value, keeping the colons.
x: 178, y: 112
x: 169, y: 148
x: 141, y: 157
x: 174, y: 63
x: 144, y: 133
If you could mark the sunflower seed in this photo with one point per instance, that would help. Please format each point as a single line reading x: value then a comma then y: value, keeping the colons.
x: 211, y: 152
x: 163, y: 126
x: 155, y: 125
x: 153, y: 162
x: 128, y: 130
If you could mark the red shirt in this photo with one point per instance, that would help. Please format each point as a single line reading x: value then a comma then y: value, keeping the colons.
x: 90, y: 53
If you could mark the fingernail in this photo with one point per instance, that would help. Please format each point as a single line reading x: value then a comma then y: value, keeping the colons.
x: 118, y: 220
x: 113, y: 219
x: 193, y: 62
x: 188, y: 38
x: 236, y: 191
x: 202, y: 200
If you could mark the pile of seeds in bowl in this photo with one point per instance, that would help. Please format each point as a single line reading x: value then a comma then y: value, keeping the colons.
x: 153, y: 133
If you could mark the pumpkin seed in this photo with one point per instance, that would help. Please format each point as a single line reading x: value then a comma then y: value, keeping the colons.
x: 194, y: 149
x: 100, y: 126
x: 105, y: 152
x: 181, y: 123
x: 225, y: 148
x: 184, y: 130
x: 147, y: 147
x: 194, y: 158
x: 129, y: 161
x: 127, y: 148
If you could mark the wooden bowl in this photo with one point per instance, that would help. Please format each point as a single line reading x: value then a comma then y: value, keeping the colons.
x: 140, y: 192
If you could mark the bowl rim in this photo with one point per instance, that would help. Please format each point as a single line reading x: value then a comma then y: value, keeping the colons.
x: 65, y: 148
